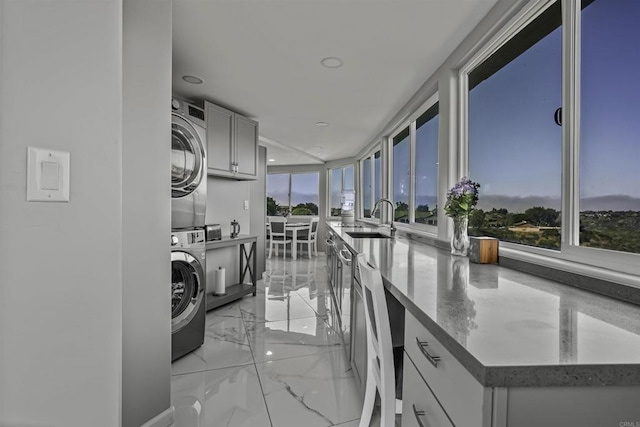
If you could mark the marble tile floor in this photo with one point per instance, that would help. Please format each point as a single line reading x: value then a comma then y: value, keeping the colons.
x: 272, y: 360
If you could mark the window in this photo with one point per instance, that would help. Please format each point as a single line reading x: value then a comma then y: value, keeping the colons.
x: 304, y: 193
x: 426, y: 167
x: 562, y: 180
x: 295, y: 194
x: 377, y: 178
x: 371, y: 182
x: 514, y: 145
x: 366, y: 187
x: 342, y: 193
x: 609, y: 126
x: 278, y: 194
x: 401, y: 175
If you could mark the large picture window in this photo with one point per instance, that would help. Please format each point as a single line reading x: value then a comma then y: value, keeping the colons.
x: 377, y: 178
x: 401, y: 175
x: 426, y: 167
x: 342, y: 193
x: 371, y: 182
x: 366, y: 186
x: 293, y: 194
x: 609, y: 125
x: 278, y: 194
x: 514, y: 144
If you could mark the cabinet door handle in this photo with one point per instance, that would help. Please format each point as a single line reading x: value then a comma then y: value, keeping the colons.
x: 418, y: 414
x: 422, y: 346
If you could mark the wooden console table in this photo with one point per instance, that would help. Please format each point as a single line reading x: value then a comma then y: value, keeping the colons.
x: 247, y: 265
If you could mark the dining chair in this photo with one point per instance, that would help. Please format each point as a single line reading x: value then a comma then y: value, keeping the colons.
x: 268, y: 231
x: 380, y: 366
x: 310, y: 237
x: 278, y: 226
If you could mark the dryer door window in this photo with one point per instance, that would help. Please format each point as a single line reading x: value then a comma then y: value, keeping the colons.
x: 187, y: 291
x: 187, y: 158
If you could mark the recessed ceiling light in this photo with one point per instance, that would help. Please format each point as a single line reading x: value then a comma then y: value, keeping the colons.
x: 193, y: 80
x: 331, y: 62
x: 272, y: 160
x: 322, y: 124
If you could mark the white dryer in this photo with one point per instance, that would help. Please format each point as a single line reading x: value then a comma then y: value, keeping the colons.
x: 188, y: 166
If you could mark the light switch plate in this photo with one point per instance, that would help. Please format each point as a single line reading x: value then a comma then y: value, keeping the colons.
x: 246, y: 205
x: 48, y: 173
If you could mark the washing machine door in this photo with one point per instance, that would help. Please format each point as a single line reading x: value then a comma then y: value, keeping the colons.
x: 188, y: 166
x: 187, y: 288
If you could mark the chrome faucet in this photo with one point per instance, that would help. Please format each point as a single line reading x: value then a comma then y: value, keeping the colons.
x: 393, y: 214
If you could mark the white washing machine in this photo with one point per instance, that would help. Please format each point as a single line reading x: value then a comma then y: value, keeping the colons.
x: 188, y: 286
x: 188, y: 166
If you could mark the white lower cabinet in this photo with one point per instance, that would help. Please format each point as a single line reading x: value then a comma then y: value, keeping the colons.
x: 438, y: 385
x: 419, y: 406
x: 464, y: 399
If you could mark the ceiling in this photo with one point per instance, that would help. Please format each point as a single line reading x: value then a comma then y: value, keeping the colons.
x: 261, y: 58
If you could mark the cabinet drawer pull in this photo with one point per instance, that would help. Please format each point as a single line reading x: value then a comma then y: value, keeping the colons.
x: 418, y: 414
x: 422, y: 346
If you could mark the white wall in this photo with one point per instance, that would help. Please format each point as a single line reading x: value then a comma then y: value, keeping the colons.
x: 65, y: 268
x: 61, y: 263
x: 225, y: 202
x: 146, y: 200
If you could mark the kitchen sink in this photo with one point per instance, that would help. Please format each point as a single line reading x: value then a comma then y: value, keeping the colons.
x: 367, y: 235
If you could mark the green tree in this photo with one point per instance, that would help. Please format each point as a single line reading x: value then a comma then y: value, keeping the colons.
x: 309, y: 208
x: 542, y: 216
x: 422, y: 208
x: 272, y: 206
x: 301, y: 210
x: 402, y: 206
x: 476, y: 219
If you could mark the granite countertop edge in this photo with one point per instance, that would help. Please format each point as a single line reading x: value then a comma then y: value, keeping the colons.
x: 524, y: 375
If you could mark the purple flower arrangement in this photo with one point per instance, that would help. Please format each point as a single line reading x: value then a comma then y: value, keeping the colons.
x: 462, y: 198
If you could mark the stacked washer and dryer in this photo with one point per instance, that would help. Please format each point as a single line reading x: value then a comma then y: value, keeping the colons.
x: 188, y: 246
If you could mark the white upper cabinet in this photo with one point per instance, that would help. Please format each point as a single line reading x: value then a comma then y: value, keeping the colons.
x: 232, y: 143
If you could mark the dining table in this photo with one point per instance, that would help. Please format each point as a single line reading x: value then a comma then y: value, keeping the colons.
x: 294, y: 229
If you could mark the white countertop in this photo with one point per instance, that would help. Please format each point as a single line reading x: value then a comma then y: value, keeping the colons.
x: 507, y: 327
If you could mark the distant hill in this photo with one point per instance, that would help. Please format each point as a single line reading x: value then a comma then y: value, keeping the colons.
x: 282, y: 197
x: 614, y: 202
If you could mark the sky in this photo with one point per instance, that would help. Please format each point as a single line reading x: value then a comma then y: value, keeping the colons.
x: 610, y: 126
x: 304, y: 188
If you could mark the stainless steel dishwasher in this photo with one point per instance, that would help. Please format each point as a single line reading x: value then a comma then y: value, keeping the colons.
x: 343, y: 295
x: 339, y: 271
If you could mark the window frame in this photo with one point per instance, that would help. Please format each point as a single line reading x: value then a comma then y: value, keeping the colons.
x: 289, y: 193
x: 343, y: 168
x: 430, y: 102
x: 622, y: 263
x: 411, y: 124
x: 359, y: 172
x: 410, y: 127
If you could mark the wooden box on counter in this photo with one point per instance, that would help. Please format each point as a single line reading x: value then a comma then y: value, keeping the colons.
x: 483, y: 250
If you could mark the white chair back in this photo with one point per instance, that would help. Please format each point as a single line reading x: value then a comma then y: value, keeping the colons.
x: 314, y: 228
x: 308, y: 236
x: 380, y: 367
x: 278, y: 234
x: 277, y: 225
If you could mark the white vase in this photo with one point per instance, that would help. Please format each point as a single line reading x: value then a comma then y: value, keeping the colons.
x: 460, y: 236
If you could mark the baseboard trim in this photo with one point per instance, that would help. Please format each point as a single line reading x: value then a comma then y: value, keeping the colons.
x: 163, y: 419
